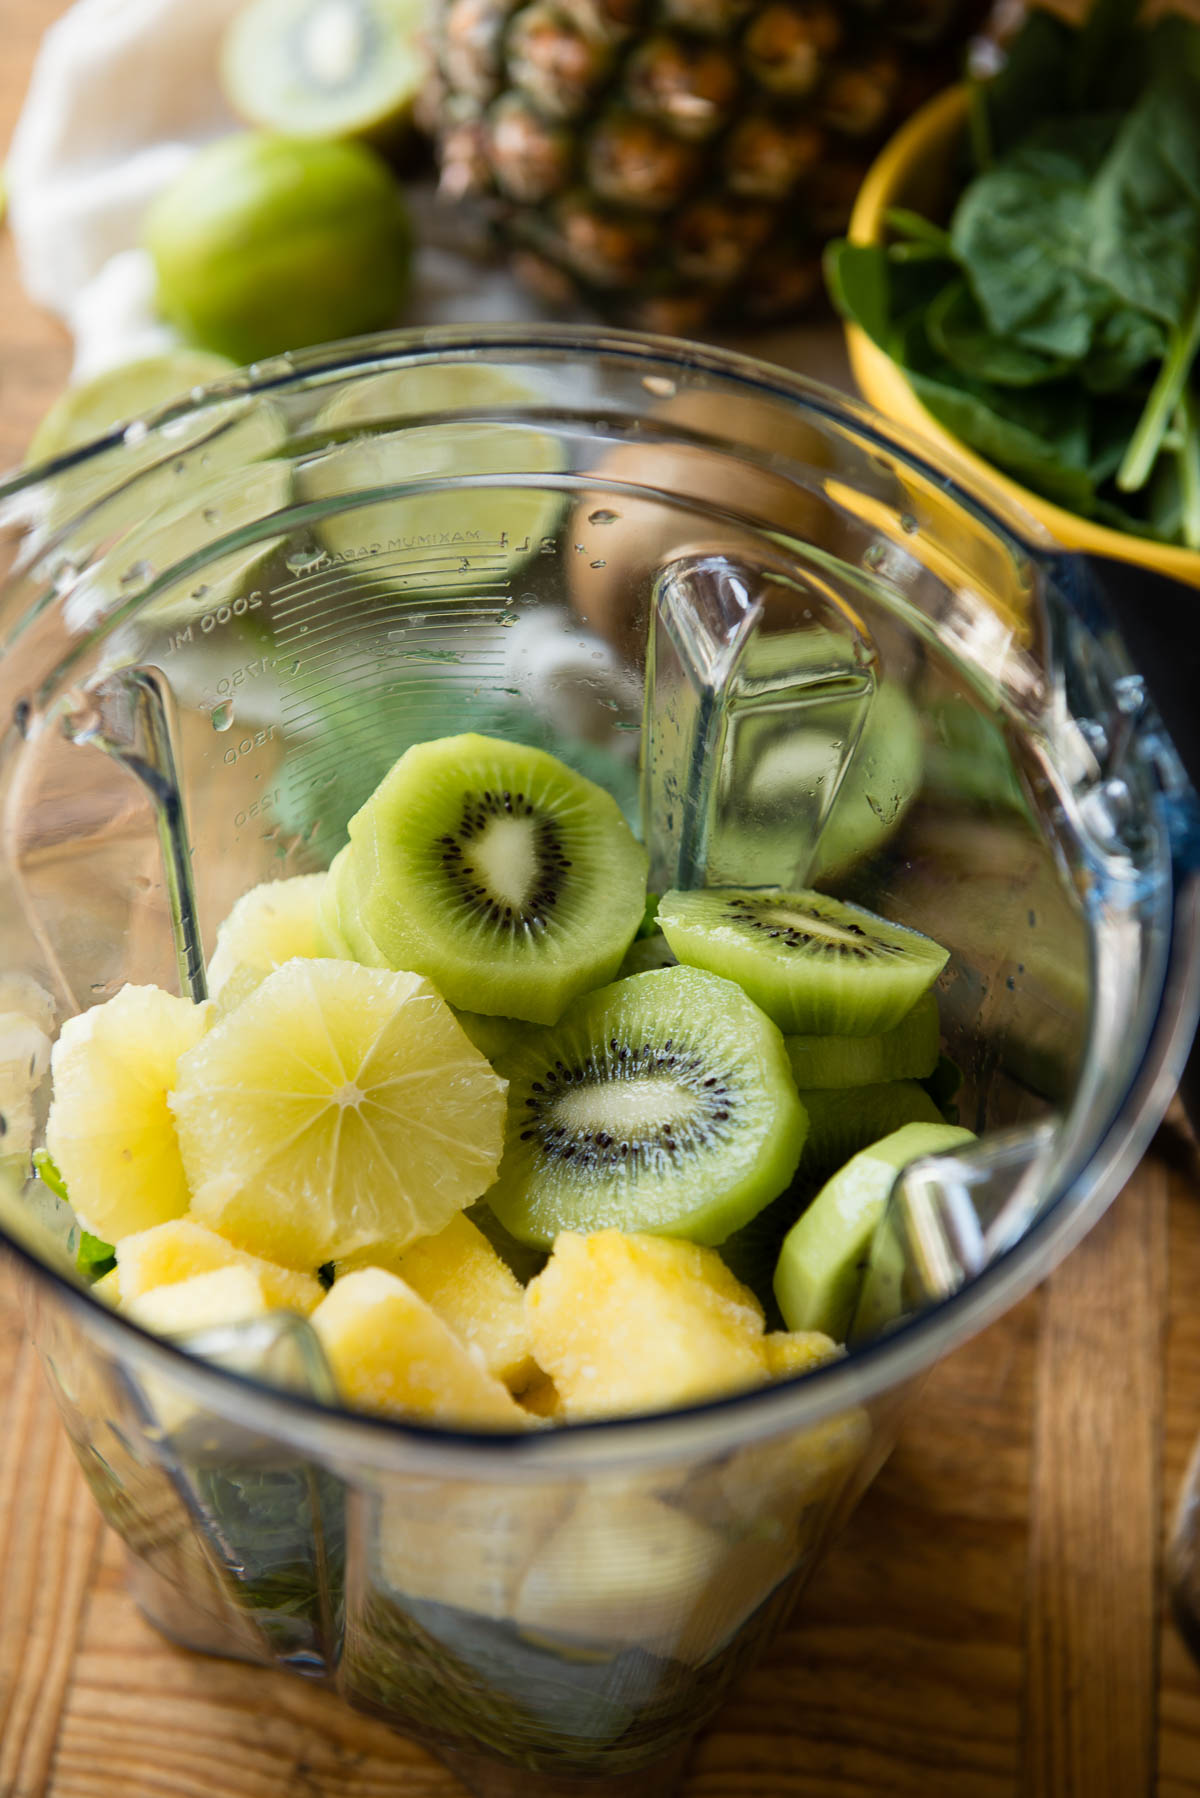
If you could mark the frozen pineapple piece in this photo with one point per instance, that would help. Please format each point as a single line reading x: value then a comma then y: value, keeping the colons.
x: 175, y: 1251
x: 464, y: 1543
x: 390, y: 1352
x: 226, y: 1295
x: 110, y: 1130
x: 541, y: 1399
x: 269, y: 925
x: 459, y: 1273
x: 640, y: 1323
x: 798, y: 1351
x: 108, y: 1287
x: 623, y: 1570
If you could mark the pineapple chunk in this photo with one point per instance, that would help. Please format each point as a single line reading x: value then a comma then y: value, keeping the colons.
x: 640, y: 1323
x: 623, y: 1570
x: 269, y: 925
x: 798, y: 1351
x: 108, y: 1287
x: 177, y: 1250
x: 541, y: 1399
x: 389, y: 1351
x: 226, y: 1295
x: 110, y: 1129
x: 464, y: 1543
x: 460, y: 1275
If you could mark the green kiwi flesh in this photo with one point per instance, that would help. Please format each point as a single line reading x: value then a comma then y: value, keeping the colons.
x: 646, y: 952
x: 841, y: 1123
x: 510, y: 881
x: 824, y: 1255
x: 326, y: 68
x: 908, y: 1051
x: 662, y: 1103
x: 815, y: 965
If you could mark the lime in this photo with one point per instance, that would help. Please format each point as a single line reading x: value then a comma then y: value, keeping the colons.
x: 336, y: 1108
x: 325, y: 68
x: 269, y: 243
x: 120, y: 394
x: 449, y: 423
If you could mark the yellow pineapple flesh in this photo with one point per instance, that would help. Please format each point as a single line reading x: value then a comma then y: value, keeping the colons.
x: 209, y: 1301
x: 175, y: 1251
x: 389, y: 1352
x: 461, y: 1276
x: 640, y: 1323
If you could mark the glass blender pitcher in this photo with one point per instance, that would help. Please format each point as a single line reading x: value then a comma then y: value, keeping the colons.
x: 796, y: 653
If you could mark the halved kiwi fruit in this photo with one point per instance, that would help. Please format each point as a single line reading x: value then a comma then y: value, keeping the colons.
x: 662, y: 1103
x: 509, y: 880
x: 326, y: 68
x: 814, y: 964
x: 908, y: 1051
x: 824, y: 1254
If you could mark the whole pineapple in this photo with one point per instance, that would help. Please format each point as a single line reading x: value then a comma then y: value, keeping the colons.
x: 675, y: 163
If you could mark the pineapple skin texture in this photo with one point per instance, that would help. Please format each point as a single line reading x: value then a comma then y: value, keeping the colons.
x: 175, y: 1251
x: 391, y: 1353
x: 460, y: 1275
x: 625, y: 1323
x: 678, y: 163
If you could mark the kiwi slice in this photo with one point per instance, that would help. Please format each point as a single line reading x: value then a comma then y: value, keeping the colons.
x: 842, y: 1123
x: 326, y: 68
x: 662, y: 1103
x: 492, y: 1036
x: 646, y: 952
x: 338, y: 918
x: 824, y: 1255
x: 814, y: 964
x: 509, y: 880
x: 908, y: 1051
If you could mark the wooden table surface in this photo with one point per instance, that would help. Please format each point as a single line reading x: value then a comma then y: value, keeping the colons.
x: 990, y: 1626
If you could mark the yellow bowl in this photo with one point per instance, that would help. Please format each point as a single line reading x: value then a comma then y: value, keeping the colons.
x: 913, y: 170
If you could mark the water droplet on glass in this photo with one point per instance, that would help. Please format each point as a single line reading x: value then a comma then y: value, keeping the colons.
x: 507, y: 618
x: 303, y: 561
x: 599, y: 564
x: 210, y: 515
x: 659, y: 385
x: 602, y: 516
x: 137, y: 571
x: 200, y: 592
x: 180, y: 467
x: 908, y: 523
x: 222, y: 715
x: 136, y: 433
x: 873, y: 557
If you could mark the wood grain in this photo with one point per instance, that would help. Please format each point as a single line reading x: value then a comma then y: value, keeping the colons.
x: 991, y: 1624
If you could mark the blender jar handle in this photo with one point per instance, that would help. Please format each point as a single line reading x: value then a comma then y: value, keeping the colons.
x: 1159, y: 621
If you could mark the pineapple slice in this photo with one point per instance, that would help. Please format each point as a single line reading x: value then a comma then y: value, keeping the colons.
x: 541, y: 1399
x: 641, y: 1323
x: 390, y: 1352
x: 226, y: 1295
x: 460, y: 1275
x: 798, y: 1351
x: 175, y: 1251
x: 110, y: 1129
x: 269, y: 925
